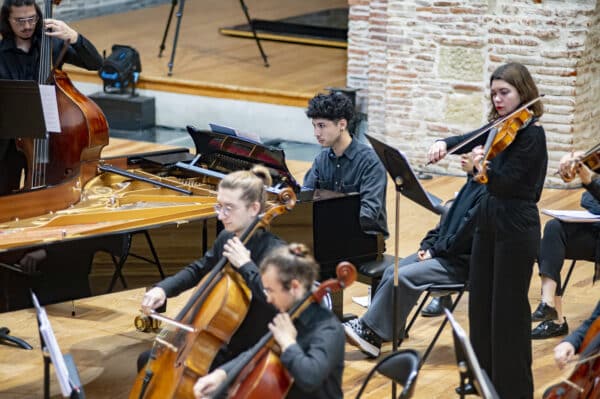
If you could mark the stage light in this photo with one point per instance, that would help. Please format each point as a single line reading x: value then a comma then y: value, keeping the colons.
x: 121, y: 69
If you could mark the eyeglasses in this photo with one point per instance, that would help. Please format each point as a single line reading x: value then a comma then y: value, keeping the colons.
x: 27, y: 20
x: 224, y: 210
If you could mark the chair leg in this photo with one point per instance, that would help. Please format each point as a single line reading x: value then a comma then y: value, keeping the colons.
x: 439, y: 331
x: 412, y: 320
x: 564, y: 286
x: 156, y: 259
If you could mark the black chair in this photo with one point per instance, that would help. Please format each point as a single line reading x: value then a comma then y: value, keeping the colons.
x: 435, y: 290
x: 370, y: 272
x: 568, y: 277
x: 402, y: 367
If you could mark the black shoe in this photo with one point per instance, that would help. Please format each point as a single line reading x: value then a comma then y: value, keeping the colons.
x: 549, y: 329
x: 469, y: 389
x: 360, y: 335
x: 544, y: 312
x: 437, y: 305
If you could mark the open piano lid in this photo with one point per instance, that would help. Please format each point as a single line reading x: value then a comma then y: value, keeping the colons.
x: 225, y: 153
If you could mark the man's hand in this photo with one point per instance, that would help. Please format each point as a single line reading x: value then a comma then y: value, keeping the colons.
x: 59, y: 29
x: 209, y: 383
x: 153, y: 298
x: 237, y: 254
x: 563, y: 353
x: 283, y: 331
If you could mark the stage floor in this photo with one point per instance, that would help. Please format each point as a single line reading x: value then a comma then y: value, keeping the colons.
x: 208, y: 63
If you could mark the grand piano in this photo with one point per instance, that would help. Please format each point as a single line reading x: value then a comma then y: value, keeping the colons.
x: 326, y: 221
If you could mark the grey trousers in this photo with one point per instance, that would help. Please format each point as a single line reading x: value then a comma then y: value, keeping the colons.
x: 413, y: 278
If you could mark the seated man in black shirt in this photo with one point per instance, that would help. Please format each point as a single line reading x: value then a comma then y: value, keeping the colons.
x: 312, y: 345
x: 345, y: 165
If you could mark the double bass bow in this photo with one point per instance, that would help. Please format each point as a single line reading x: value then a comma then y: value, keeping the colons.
x: 263, y: 375
x: 584, y: 381
x: 185, y: 349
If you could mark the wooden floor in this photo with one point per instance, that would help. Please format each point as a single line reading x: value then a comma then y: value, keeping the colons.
x: 211, y: 64
x: 104, y: 343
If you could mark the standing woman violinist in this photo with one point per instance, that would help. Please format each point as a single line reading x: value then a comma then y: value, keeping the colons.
x: 507, y: 237
x: 312, y: 346
x: 241, y: 198
x: 22, y: 26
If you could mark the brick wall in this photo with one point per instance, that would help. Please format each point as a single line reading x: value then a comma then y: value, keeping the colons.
x: 72, y: 10
x: 424, y: 65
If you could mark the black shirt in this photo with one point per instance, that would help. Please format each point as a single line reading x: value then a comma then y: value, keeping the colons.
x: 316, y: 361
x: 260, y: 313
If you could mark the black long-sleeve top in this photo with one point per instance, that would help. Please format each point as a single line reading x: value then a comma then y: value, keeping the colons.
x: 519, y: 171
x: 316, y: 361
x: 260, y: 313
x: 590, y: 199
x: 452, y: 238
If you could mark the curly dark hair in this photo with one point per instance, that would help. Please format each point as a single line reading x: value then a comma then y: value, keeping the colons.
x: 5, y: 29
x: 333, y: 107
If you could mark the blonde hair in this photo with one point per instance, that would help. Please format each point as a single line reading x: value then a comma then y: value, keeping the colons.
x: 252, y: 183
x: 292, y: 261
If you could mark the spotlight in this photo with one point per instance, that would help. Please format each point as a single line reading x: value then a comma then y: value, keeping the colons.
x: 121, y: 69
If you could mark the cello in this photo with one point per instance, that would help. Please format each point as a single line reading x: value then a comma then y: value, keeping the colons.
x: 263, y: 375
x: 184, y: 350
x: 59, y: 158
x: 584, y: 381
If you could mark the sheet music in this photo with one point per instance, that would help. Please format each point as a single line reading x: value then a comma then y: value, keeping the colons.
x: 50, y: 108
x: 572, y: 216
x: 52, y: 346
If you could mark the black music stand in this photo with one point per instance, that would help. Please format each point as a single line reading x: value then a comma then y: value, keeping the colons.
x: 66, y: 371
x: 408, y: 185
x: 16, y: 96
x: 468, y: 365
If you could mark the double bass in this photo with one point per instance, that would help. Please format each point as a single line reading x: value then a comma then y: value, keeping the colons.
x: 61, y: 162
x: 184, y: 351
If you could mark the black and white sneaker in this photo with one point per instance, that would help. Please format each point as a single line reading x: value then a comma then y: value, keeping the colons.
x: 361, y: 336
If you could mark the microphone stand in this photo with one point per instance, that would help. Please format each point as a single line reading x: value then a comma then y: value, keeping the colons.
x: 251, y: 24
x: 176, y: 37
x: 398, y: 182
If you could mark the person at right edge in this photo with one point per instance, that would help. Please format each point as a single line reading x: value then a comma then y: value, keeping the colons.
x: 564, y: 240
x: 507, y: 235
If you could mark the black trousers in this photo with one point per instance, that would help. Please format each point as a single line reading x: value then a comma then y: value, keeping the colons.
x: 505, y: 246
x: 566, y: 241
x: 11, y: 167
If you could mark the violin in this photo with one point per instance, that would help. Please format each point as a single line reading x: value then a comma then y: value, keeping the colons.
x: 584, y: 381
x: 591, y: 159
x: 184, y: 351
x: 264, y: 376
x: 475, y: 134
x: 500, y: 139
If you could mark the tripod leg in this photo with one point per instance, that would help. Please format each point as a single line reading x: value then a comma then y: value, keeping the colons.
x: 5, y: 337
x: 262, y: 53
x: 176, y: 37
x: 167, y: 26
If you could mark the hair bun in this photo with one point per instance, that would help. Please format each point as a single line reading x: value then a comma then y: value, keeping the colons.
x: 300, y: 250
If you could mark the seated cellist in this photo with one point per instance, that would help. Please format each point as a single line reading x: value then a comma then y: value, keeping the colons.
x: 312, y: 346
x: 241, y: 197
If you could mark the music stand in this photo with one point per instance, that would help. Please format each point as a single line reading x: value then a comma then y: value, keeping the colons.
x: 16, y: 97
x: 468, y: 365
x: 66, y: 371
x: 408, y: 185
